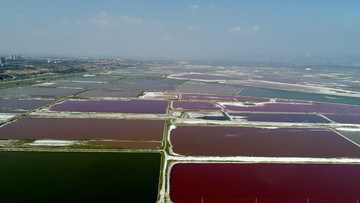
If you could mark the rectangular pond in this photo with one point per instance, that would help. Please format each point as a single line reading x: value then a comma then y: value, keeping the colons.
x: 296, y: 107
x: 221, y: 98
x: 112, y: 106
x: 199, y: 76
x: 260, y: 183
x: 269, y: 93
x: 25, y: 104
x: 260, y: 83
x: 69, y: 128
x: 92, y: 79
x: 274, y: 117
x: 193, y: 105
x: 352, y: 119
x: 144, y: 84
x: 79, y: 177
x: 70, y: 84
x: 38, y: 91
x: 126, y: 71
x: 207, y: 88
x: 109, y: 93
x: 261, y: 142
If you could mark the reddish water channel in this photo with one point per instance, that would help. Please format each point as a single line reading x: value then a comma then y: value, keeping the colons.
x: 248, y: 141
x: 265, y: 183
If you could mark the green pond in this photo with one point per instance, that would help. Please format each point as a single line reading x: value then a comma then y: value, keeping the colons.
x: 79, y: 177
x: 282, y: 94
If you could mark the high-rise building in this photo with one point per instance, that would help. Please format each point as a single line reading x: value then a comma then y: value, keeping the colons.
x: 14, y: 57
x: 2, y: 60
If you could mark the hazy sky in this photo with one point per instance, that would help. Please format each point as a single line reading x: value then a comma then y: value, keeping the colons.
x: 179, y: 29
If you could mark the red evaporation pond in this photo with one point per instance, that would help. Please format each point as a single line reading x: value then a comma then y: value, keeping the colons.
x: 221, y: 98
x: 354, y: 119
x: 273, y: 117
x: 265, y: 183
x: 132, y: 145
x: 247, y: 141
x: 68, y: 128
x: 185, y: 105
x: 307, y: 107
x: 110, y: 106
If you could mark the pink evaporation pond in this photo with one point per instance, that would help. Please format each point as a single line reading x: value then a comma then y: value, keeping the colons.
x: 221, y: 98
x: 248, y: 141
x: 132, y: 145
x: 353, y: 119
x: 187, y: 105
x: 305, y: 107
x: 112, y: 106
x: 271, y: 183
x: 69, y: 128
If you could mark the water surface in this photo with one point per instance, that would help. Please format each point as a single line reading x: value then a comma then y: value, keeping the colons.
x: 76, y: 128
x: 110, y: 106
x: 78, y: 177
x: 109, y: 93
x: 271, y: 117
x: 38, y: 91
x: 275, y: 183
x: 269, y: 93
x: 262, y: 142
x: 193, y: 105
